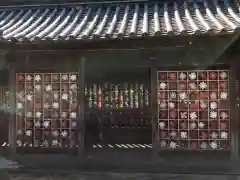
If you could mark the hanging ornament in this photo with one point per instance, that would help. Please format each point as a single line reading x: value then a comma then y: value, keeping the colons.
x: 20, y: 77
x: 55, y: 142
x: 163, y: 143
x: 64, y: 133
x: 55, y: 105
x: 64, y: 114
x: 192, y: 76
x: 213, y: 114
x: 162, y: 85
x: 46, y: 124
x: 28, y: 133
x: 193, y: 125
x: 19, y: 105
x: 65, y: 96
x: 46, y: 105
x: 73, y: 87
x: 223, y: 75
x: 37, y: 78
x: 224, y: 95
x: 213, y: 105
x: 182, y: 76
x: 203, y: 145
x: 161, y: 125
x: 182, y: 95
x: 73, y: 77
x: 172, y: 76
x: 37, y: 124
x: 73, y: 115
x: 37, y: 87
x: 183, y: 115
x: 163, y: 105
x: 193, y: 115
x: 213, y: 145
x: 173, y: 95
x: 173, y: 145
x: 203, y: 104
x: 173, y: 134
x: 19, y: 142
x: 29, y: 97
x: 163, y: 76
x: 183, y: 135
x: 213, y: 75
x: 29, y: 114
x: 193, y: 86
x: 182, y: 86
x: 29, y: 78
x: 171, y: 105
x: 223, y: 85
x: 48, y: 87
x: 56, y: 96
x: 224, y: 135
x: 223, y: 115
x: 203, y: 85
x: 201, y: 125
x: 64, y: 77
x: 20, y: 96
x: 214, y: 135
x: 38, y: 114
x: 213, y: 95
x: 55, y: 77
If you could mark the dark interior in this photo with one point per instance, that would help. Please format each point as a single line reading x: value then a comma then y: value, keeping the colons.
x: 110, y: 124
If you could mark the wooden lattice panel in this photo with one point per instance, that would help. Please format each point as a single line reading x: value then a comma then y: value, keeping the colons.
x: 47, y: 109
x: 193, y: 109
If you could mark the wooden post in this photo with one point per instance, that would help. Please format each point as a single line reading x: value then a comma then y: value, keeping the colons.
x: 80, y: 124
x: 154, y: 112
x: 12, y: 106
x: 234, y: 121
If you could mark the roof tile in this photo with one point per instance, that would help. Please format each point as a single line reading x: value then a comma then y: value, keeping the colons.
x: 118, y: 21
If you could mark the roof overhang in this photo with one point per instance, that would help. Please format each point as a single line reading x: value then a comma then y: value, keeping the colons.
x: 114, y: 21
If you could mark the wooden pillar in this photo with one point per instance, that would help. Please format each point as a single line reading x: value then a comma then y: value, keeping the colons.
x: 12, y: 105
x: 81, y: 85
x: 234, y: 114
x: 154, y: 112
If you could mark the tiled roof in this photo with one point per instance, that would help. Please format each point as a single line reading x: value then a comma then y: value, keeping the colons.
x: 86, y: 22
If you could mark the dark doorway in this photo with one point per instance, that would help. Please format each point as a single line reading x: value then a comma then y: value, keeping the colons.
x: 117, y: 110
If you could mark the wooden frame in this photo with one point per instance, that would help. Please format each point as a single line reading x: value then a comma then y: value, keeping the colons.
x: 148, y: 47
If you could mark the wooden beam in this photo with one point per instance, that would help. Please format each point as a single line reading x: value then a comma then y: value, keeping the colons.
x: 139, y: 43
x: 234, y: 114
x: 155, y: 144
x: 81, y: 95
x: 12, y: 106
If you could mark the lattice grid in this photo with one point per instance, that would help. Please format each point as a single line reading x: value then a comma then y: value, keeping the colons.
x: 193, y: 109
x: 47, y: 110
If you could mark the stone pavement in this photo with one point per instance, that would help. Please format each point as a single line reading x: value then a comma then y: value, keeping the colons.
x: 116, y: 176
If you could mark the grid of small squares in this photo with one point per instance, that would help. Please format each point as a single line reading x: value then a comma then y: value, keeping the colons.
x: 193, y: 109
x: 47, y: 109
